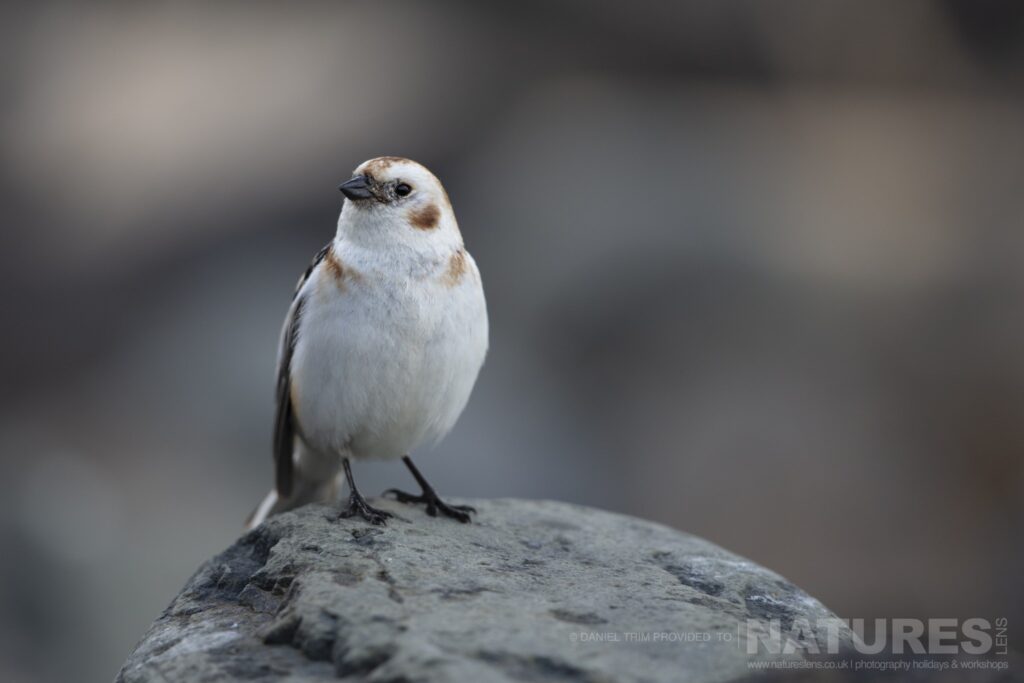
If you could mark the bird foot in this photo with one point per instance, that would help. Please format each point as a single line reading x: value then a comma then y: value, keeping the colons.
x: 357, y: 506
x: 434, y: 504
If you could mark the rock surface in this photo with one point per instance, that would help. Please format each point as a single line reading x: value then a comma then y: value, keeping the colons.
x: 532, y: 591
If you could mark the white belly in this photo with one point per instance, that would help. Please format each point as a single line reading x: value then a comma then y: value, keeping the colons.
x: 382, y: 365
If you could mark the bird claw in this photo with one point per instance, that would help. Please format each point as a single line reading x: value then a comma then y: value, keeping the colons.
x: 434, y: 504
x: 357, y: 505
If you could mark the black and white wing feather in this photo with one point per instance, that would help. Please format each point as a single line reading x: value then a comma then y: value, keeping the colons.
x: 284, y: 418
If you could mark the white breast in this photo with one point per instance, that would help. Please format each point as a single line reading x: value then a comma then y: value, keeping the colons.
x: 387, y: 353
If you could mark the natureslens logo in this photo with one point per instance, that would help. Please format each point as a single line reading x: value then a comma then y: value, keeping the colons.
x: 873, y: 639
x: 975, y: 636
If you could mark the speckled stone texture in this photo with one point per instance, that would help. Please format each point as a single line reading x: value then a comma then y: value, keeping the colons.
x: 532, y: 591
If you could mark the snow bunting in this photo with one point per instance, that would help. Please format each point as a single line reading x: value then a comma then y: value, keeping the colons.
x: 382, y: 343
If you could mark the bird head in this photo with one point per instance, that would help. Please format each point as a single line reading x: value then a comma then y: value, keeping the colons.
x: 391, y: 199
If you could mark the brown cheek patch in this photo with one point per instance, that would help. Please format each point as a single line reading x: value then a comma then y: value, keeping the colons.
x: 425, y: 218
x: 456, y: 268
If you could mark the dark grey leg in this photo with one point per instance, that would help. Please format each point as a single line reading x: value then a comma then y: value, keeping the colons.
x: 357, y: 505
x: 430, y: 497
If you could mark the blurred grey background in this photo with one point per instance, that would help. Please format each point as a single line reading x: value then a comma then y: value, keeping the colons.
x: 754, y: 271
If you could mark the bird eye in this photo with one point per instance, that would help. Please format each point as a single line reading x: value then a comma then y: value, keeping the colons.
x: 402, y: 190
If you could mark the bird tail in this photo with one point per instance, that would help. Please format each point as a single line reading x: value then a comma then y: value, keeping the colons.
x: 268, y: 506
x: 315, y: 481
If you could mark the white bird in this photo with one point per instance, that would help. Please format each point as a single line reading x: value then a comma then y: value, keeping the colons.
x: 382, y: 344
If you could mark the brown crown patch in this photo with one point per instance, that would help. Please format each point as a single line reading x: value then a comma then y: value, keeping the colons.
x: 383, y: 163
x: 425, y: 218
x: 456, y: 269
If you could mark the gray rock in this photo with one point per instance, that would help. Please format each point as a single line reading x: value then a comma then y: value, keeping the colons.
x: 532, y: 591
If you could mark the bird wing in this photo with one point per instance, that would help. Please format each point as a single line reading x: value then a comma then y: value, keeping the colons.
x: 284, y: 418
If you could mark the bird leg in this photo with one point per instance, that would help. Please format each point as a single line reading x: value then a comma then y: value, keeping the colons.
x: 357, y: 505
x: 430, y: 497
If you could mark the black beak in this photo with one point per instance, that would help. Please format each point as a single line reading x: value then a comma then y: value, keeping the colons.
x: 357, y: 188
